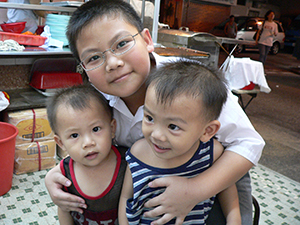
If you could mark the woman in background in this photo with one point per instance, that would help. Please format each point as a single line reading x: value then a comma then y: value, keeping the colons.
x: 268, y: 31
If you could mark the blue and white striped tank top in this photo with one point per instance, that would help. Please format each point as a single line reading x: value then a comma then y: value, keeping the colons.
x: 142, y: 174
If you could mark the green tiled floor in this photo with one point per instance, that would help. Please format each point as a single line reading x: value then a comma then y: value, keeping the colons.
x: 278, y: 197
x: 29, y: 203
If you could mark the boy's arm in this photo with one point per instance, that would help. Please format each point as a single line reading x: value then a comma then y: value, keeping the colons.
x: 225, y: 172
x: 127, y: 192
x: 64, y: 217
x: 54, y: 182
x: 230, y: 205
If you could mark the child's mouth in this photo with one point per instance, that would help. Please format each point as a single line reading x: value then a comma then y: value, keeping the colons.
x: 160, y: 149
x: 121, y: 78
x: 91, y: 155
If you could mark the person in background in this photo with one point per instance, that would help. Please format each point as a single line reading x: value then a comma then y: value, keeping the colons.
x: 117, y: 53
x: 267, y: 31
x: 230, y: 28
x: 182, y: 104
x: 83, y: 123
x: 25, y: 15
x: 230, y: 31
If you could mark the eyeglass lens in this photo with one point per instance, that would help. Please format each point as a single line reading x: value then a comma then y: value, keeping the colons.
x: 119, y: 47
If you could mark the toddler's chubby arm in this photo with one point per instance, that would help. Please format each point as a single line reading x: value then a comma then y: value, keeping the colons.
x: 64, y: 217
x: 229, y: 201
x: 127, y: 192
x: 228, y: 198
x: 54, y: 182
x: 212, y: 181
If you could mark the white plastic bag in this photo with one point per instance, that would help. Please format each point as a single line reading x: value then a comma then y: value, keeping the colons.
x: 4, y: 100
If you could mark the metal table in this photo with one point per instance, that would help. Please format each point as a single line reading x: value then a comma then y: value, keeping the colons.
x: 8, y: 5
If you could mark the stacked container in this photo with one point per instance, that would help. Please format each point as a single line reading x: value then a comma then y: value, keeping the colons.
x: 58, y: 26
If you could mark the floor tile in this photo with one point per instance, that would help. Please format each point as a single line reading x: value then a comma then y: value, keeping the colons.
x: 29, y: 203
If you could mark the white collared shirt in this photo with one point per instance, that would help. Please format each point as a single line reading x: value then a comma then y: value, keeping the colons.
x: 236, y: 133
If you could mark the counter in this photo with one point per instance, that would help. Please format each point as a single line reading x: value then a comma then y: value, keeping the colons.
x: 8, y: 5
x: 30, y: 54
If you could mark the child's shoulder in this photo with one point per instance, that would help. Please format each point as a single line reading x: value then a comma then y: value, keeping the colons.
x: 139, y: 148
x: 218, y: 149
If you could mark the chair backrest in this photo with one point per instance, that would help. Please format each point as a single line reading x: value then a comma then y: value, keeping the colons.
x: 256, y: 211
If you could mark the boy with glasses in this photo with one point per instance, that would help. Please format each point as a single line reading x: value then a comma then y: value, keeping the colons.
x: 95, y: 27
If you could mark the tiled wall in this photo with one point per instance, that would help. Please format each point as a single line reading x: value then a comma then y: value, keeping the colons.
x: 203, y: 17
x: 14, y: 77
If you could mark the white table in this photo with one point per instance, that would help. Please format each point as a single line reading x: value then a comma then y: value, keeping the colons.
x: 239, y: 72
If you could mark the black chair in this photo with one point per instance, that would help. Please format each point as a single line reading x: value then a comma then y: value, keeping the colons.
x: 256, y: 211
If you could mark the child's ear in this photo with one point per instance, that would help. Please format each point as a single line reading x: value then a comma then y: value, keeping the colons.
x: 210, y: 130
x: 113, y: 125
x: 148, y: 39
x: 59, y: 142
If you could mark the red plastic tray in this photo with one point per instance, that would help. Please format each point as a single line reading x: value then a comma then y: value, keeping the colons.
x: 23, y: 39
x: 50, y: 80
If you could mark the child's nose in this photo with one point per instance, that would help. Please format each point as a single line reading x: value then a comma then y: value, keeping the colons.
x: 113, y: 61
x: 158, y: 134
x: 88, y: 141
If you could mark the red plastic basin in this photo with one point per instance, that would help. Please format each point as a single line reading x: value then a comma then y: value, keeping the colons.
x: 13, y: 27
x: 8, y: 134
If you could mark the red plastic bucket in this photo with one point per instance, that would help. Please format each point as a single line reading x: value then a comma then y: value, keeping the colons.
x: 8, y: 133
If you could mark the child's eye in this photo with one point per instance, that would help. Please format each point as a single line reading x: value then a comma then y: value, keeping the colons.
x: 96, y: 129
x: 93, y: 58
x: 148, y: 118
x: 173, y: 127
x: 75, y: 135
x: 122, y: 44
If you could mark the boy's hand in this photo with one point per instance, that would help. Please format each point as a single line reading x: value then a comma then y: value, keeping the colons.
x: 176, y: 201
x: 54, y: 182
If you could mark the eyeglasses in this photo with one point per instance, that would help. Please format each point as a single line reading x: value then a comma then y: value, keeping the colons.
x: 119, y: 47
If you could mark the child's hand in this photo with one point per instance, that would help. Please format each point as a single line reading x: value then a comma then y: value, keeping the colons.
x: 55, y: 181
x: 176, y: 201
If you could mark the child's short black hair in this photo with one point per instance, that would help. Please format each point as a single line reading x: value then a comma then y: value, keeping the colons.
x: 95, y: 9
x: 77, y: 97
x: 191, y: 78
